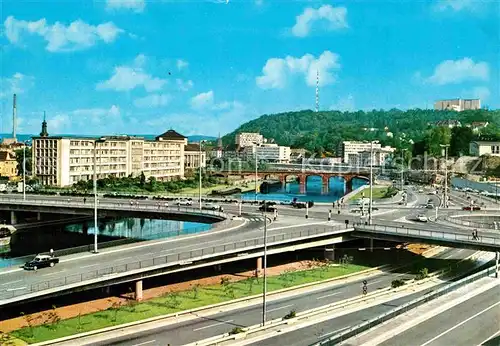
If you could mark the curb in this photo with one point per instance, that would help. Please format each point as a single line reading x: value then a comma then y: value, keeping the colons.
x: 200, y: 309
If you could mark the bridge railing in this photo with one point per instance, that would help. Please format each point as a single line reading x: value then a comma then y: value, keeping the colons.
x: 173, y: 259
x: 119, y: 204
x: 460, y: 221
x: 430, y: 234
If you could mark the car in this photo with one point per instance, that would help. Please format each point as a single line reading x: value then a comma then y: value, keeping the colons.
x: 420, y: 190
x: 422, y: 218
x: 184, y: 202
x: 211, y: 206
x: 473, y: 208
x: 267, y: 208
x: 41, y: 261
x: 430, y: 206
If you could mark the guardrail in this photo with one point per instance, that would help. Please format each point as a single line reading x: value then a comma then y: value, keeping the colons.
x: 173, y: 259
x: 135, y: 205
x: 358, y: 329
x: 467, y: 223
x: 436, y: 235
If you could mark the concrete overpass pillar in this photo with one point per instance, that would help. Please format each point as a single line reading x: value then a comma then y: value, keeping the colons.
x: 38, y: 216
x: 497, y: 259
x: 371, y: 244
x: 325, y: 186
x: 13, y: 218
x: 138, y: 290
x: 259, y: 265
x: 348, y: 186
x: 302, y: 184
x: 330, y: 252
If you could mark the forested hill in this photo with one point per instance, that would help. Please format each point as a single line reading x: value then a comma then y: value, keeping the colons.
x: 322, y: 132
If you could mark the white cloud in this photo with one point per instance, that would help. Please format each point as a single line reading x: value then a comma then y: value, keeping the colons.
x: 182, y: 64
x: 184, y: 85
x: 333, y: 18
x: 152, y: 101
x: 134, y: 5
x: 277, y: 71
x: 458, y: 71
x: 78, y: 35
x: 126, y: 78
x: 17, y: 84
x: 457, y: 5
x: 203, y: 100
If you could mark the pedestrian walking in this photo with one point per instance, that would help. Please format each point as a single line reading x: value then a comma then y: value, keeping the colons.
x: 51, y: 252
x: 84, y: 200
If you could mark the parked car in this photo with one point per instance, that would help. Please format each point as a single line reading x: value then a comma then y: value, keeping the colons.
x: 211, y: 206
x: 430, y: 206
x: 267, y: 208
x: 422, y: 218
x: 41, y: 261
x: 473, y: 208
x: 184, y: 202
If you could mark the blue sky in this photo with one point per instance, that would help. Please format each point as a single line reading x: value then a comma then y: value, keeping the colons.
x: 204, y: 67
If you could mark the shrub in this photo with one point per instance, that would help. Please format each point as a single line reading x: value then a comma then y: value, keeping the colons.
x: 236, y: 330
x: 291, y: 314
x: 422, y: 274
x: 397, y: 283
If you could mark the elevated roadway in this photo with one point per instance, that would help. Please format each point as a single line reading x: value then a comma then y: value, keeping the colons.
x: 205, y: 327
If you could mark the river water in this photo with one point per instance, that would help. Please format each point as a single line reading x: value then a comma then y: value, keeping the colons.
x: 336, y: 190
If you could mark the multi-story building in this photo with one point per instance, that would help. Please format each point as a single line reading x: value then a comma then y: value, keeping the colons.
x: 8, y: 164
x: 270, y: 152
x: 192, y: 156
x: 63, y: 161
x: 457, y: 104
x: 480, y: 148
x: 349, y: 148
x: 247, y: 139
x: 376, y: 158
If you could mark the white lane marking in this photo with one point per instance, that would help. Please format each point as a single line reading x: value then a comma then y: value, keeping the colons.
x: 281, y: 307
x: 11, y: 282
x: 461, y: 323
x: 213, y: 325
x: 334, y: 332
x: 144, y: 343
x: 328, y: 295
x: 488, y: 338
x: 374, y: 282
x: 91, y: 265
x: 16, y: 289
x: 449, y: 256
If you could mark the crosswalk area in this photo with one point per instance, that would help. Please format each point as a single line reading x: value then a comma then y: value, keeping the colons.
x: 255, y: 218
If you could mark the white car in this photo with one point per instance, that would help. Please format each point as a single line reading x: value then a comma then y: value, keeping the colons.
x: 184, y: 202
x: 420, y: 190
x: 211, y: 206
x: 422, y: 218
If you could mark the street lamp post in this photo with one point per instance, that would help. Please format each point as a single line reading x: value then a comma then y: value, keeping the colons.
x: 445, y: 146
x: 256, y: 171
x: 24, y: 171
x: 199, y: 164
x: 402, y: 168
x: 264, y: 295
x: 371, y: 185
x: 96, y: 228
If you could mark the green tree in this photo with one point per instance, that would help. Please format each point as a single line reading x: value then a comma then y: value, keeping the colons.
x: 460, y: 140
x: 142, y: 179
x: 20, y: 158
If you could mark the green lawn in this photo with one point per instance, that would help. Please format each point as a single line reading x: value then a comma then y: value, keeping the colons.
x: 174, y: 302
x: 378, y: 193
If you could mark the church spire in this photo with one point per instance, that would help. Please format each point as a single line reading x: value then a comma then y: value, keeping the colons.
x: 44, y: 132
x: 219, y: 142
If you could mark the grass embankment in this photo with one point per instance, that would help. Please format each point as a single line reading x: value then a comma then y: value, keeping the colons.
x: 198, y: 296
x: 378, y: 193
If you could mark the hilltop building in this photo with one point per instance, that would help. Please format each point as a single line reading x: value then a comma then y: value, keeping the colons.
x: 457, y: 105
x: 248, y: 139
x: 63, y: 161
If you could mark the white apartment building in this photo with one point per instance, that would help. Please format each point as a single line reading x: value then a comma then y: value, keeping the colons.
x: 480, y: 148
x: 457, y: 105
x: 271, y: 152
x: 247, y: 139
x: 376, y: 158
x: 351, y: 152
x: 63, y: 161
x: 192, y: 156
